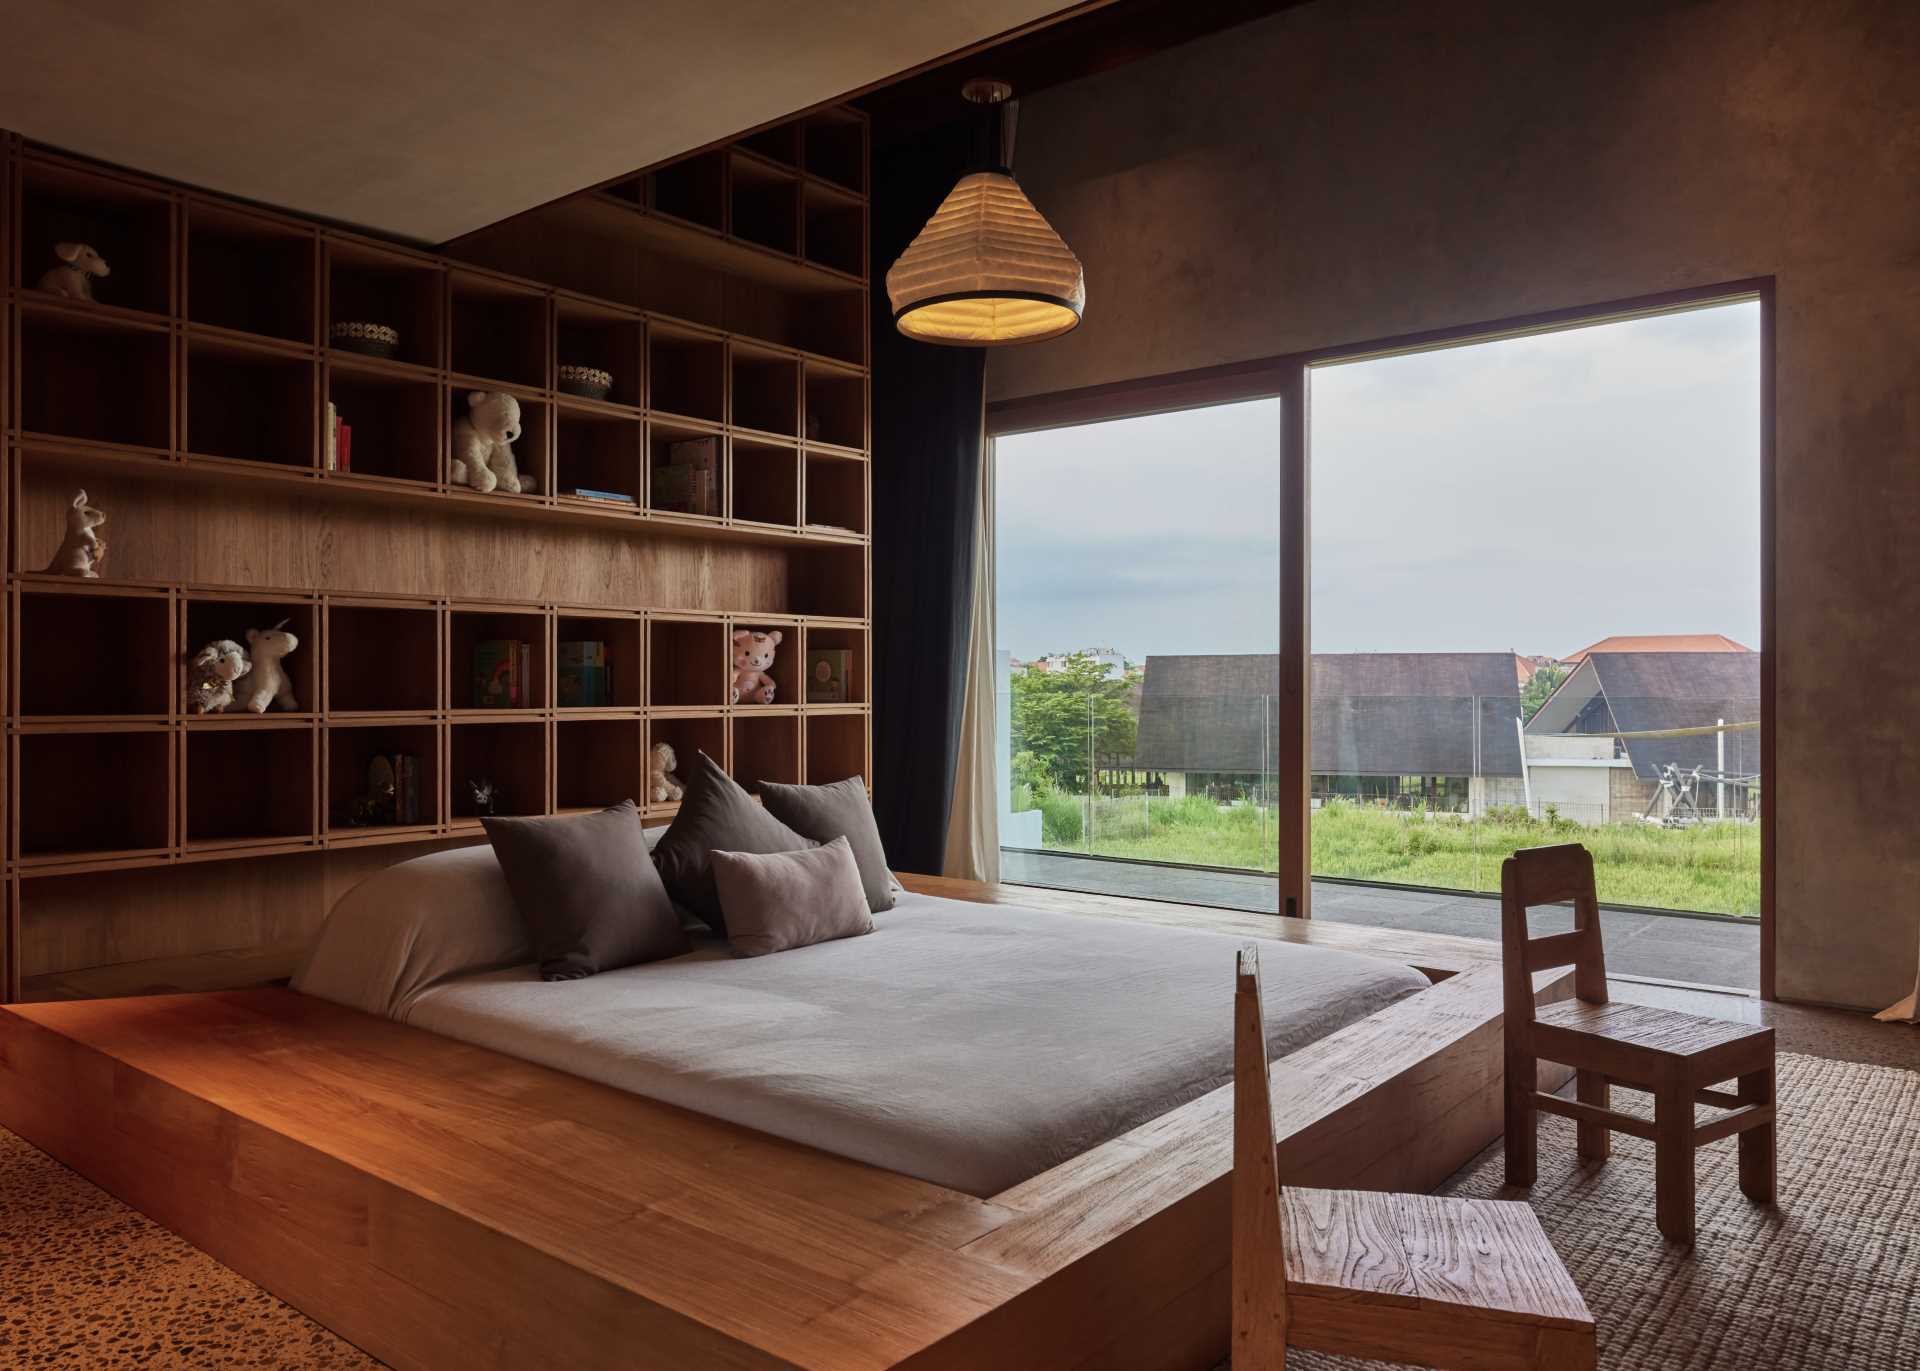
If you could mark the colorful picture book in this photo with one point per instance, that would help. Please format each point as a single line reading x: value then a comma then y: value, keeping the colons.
x: 611, y: 497
x: 339, y: 441
x: 827, y: 669
x: 689, y: 481
x: 586, y: 680
x: 502, y: 674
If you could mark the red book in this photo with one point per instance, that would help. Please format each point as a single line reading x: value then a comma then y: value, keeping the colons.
x: 345, y: 454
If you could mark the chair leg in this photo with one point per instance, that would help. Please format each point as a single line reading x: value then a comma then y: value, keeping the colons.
x: 1673, y: 1162
x: 1757, y: 1145
x: 1523, y: 1075
x: 1594, y: 1141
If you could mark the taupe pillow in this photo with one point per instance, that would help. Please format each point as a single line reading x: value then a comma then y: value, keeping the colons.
x: 587, y: 891
x: 840, y: 810
x: 715, y: 815
x: 780, y: 900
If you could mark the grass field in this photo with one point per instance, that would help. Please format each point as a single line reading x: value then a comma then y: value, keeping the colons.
x: 1714, y: 868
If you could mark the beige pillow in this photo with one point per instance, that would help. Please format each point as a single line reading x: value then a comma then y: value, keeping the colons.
x: 780, y: 900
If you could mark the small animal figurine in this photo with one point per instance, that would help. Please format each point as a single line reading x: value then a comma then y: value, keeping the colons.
x: 268, y: 684
x: 72, y: 276
x: 483, y: 440
x: 80, y: 550
x: 211, y: 674
x: 484, y: 791
x: 663, y: 786
x: 752, y: 662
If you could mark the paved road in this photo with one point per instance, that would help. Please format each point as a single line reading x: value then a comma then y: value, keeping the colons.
x: 1661, y: 946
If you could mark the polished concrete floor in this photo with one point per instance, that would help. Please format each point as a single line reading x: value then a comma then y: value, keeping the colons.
x: 1711, y: 952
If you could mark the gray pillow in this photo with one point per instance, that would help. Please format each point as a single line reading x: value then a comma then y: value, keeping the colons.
x: 587, y: 891
x: 840, y: 810
x: 781, y: 900
x: 715, y: 815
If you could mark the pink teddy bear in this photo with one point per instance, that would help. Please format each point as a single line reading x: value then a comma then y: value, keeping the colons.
x: 752, y: 661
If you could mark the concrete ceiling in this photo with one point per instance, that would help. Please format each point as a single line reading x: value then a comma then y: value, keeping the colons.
x: 430, y: 118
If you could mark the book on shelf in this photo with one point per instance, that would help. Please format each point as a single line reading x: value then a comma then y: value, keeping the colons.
x: 585, y: 678
x: 688, y: 482
x: 406, y: 788
x: 611, y: 497
x: 502, y: 674
x: 337, y: 443
x: 827, y: 669
x: 346, y: 446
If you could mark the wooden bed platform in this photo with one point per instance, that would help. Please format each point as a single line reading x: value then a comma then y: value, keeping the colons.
x: 441, y: 1205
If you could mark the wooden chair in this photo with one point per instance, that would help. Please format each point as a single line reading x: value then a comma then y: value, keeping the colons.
x: 1404, y: 1278
x: 1675, y: 1057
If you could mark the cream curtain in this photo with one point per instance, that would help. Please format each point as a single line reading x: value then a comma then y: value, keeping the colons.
x: 973, y: 824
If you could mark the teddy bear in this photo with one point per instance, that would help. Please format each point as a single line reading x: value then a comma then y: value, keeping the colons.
x: 268, y: 683
x: 752, y: 665
x: 211, y: 674
x: 73, y: 275
x: 662, y: 785
x: 82, y: 549
x: 483, y: 441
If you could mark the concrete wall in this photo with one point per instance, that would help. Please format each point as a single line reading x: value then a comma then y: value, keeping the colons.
x: 1362, y: 168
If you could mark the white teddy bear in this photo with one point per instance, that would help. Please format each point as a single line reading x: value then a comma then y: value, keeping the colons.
x: 483, y: 441
x: 211, y: 674
x: 662, y: 784
x: 268, y: 683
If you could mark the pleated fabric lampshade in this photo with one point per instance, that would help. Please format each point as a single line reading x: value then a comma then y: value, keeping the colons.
x: 986, y: 269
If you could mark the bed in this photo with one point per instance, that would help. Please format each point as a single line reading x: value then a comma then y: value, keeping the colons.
x: 971, y: 1047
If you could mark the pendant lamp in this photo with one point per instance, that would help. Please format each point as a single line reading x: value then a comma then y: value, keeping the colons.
x: 987, y: 269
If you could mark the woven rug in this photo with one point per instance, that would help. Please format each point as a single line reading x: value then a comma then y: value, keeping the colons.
x: 1830, y: 1279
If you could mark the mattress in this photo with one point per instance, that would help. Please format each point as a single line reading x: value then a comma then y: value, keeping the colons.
x: 969, y: 1045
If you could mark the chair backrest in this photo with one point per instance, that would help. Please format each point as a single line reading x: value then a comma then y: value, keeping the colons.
x: 1259, y: 1254
x: 1536, y: 876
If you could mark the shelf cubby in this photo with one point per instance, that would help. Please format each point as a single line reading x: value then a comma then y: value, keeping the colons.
x: 766, y: 749
x: 688, y: 735
x: 131, y: 226
x: 251, y: 274
x: 211, y: 617
x: 693, y: 189
x: 764, y: 205
x: 664, y: 445
x: 376, y: 285
x: 511, y: 755
x: 827, y: 582
x: 499, y: 330
x: 95, y: 379
x: 835, y: 228
x: 532, y: 450
x: 836, y: 401
x: 382, y: 659
x: 766, y: 390
x: 836, y: 494
x: 93, y: 793
x: 395, y: 420
x: 686, y: 373
x: 835, y: 147
x: 836, y: 748
x: 598, y: 762
x: 248, y: 784
x: 249, y: 403
x: 351, y: 749
x: 786, y: 661
x: 590, y: 334
x: 832, y: 638
x: 595, y: 450
x: 781, y: 143
x: 765, y: 482
x: 622, y: 640
x: 687, y: 662
x: 93, y: 655
x: 467, y: 629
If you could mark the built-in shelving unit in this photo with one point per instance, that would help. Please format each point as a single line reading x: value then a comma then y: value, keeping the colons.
x: 726, y: 296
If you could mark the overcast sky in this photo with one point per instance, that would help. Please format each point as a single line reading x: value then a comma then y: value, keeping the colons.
x: 1535, y: 494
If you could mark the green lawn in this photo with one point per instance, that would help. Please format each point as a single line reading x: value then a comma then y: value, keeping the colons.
x: 1713, y: 867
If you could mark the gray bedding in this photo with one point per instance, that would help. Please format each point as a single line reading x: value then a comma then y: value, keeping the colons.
x: 969, y: 1045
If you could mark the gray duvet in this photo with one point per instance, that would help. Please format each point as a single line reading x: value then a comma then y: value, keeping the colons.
x: 969, y: 1045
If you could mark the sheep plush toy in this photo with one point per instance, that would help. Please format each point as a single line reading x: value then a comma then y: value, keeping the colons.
x: 268, y: 683
x: 752, y: 665
x: 483, y: 441
x: 211, y: 674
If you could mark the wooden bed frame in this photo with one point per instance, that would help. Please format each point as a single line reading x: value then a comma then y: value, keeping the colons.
x: 442, y: 1205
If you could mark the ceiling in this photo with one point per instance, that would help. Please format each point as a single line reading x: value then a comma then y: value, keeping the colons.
x: 426, y: 119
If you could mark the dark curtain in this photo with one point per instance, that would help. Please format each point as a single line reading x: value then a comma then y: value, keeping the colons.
x: 926, y: 495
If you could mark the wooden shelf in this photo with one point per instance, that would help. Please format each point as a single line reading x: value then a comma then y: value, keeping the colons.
x: 765, y: 748
x: 92, y: 377
x: 598, y: 762
x: 251, y: 273
x: 510, y: 754
x: 130, y: 223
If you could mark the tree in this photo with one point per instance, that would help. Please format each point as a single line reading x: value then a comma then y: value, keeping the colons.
x: 1067, y: 720
x: 1544, y: 681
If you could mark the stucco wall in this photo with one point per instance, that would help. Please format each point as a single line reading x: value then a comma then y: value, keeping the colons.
x: 1356, y: 169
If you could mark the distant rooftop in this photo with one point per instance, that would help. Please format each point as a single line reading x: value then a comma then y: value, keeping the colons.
x: 1659, y: 642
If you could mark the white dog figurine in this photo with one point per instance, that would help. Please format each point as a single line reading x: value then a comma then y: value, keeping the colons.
x: 483, y: 441
x: 268, y: 683
x: 73, y: 277
x: 211, y: 674
x: 79, y: 553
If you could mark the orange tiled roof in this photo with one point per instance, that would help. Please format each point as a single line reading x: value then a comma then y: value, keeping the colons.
x: 1660, y: 642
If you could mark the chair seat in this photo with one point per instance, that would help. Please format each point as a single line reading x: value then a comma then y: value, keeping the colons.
x: 1658, y: 1037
